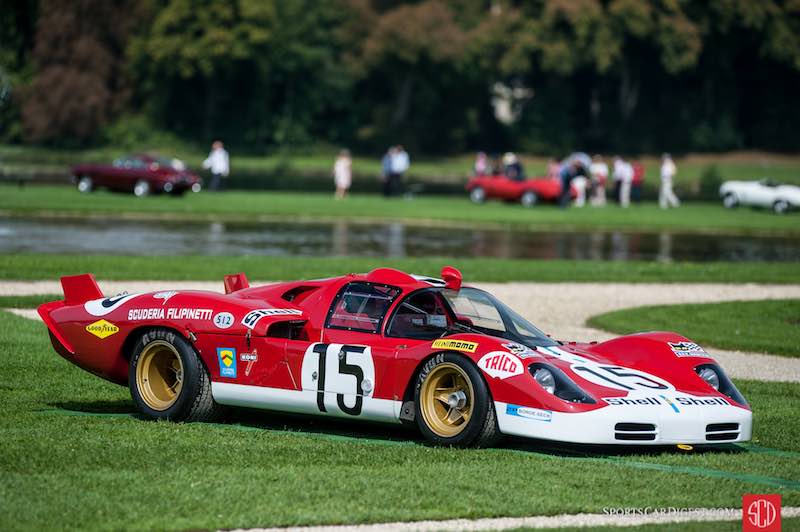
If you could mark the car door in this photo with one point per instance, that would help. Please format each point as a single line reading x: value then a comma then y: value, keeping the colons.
x: 347, y: 370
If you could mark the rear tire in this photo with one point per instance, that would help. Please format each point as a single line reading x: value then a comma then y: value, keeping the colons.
x: 167, y: 379
x: 528, y: 198
x: 85, y: 184
x: 730, y: 201
x: 141, y: 188
x: 780, y: 207
x: 453, y: 405
x: 477, y: 195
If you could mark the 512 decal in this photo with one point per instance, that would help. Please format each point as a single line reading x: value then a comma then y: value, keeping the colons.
x: 342, y: 372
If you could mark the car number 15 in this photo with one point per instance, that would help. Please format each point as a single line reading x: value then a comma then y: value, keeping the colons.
x: 342, y: 375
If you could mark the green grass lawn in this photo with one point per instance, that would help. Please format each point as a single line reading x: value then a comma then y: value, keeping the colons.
x: 73, y: 457
x: 287, y: 206
x: 768, y: 326
x: 51, y: 267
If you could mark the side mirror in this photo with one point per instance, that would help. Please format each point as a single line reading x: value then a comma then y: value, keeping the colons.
x: 451, y: 277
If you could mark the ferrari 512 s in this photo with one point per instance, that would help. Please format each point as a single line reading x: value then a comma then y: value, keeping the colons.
x: 391, y: 347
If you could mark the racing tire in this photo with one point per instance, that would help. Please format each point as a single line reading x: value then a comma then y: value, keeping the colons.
x: 729, y: 201
x: 168, y: 187
x: 85, y: 184
x: 528, y: 198
x: 477, y: 195
x: 780, y: 207
x: 453, y: 406
x: 141, y: 188
x: 167, y: 379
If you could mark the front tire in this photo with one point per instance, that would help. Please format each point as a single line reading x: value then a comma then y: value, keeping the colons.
x: 477, y: 195
x: 167, y: 380
x: 528, y: 198
x: 141, y: 188
x: 453, y: 404
x: 729, y: 201
x: 780, y: 207
x: 85, y: 184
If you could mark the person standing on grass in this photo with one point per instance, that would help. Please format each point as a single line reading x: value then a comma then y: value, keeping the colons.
x: 400, y: 164
x: 386, y: 171
x: 481, y: 167
x: 599, y: 171
x: 619, y: 171
x: 666, y: 196
x: 217, y: 161
x: 626, y: 182
x: 343, y: 174
x: 638, y: 182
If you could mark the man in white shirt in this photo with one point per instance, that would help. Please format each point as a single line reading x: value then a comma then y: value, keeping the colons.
x: 399, y: 164
x: 666, y: 196
x: 623, y: 177
x: 217, y: 162
x: 599, y: 171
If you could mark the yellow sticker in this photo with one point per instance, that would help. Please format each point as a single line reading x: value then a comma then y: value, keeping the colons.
x: 458, y: 345
x: 102, y: 329
x: 684, y: 447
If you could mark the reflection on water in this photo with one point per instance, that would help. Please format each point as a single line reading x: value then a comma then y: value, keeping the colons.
x: 388, y: 240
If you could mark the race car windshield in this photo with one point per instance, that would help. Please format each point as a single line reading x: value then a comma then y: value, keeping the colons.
x: 484, y: 313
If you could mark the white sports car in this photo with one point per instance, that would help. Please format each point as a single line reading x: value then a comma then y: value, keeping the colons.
x: 763, y: 193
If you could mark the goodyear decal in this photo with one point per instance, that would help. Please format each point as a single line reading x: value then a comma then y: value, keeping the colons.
x: 458, y: 345
x: 227, y: 362
x: 102, y: 329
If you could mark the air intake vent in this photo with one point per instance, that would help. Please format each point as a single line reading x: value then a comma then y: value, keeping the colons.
x: 635, y: 431
x: 722, y: 431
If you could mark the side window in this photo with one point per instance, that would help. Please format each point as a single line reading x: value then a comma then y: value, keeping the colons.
x: 361, y: 307
x: 421, y: 315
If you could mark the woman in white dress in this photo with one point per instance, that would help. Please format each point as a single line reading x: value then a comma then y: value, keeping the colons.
x: 343, y: 174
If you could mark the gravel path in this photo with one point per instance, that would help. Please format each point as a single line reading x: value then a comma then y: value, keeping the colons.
x: 560, y: 309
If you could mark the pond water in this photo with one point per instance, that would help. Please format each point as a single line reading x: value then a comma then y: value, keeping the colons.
x: 110, y: 236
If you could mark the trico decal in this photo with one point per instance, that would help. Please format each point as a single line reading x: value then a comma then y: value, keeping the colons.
x: 249, y: 359
x: 159, y: 313
x: 529, y: 413
x: 458, y: 345
x: 343, y: 376
x: 102, y: 329
x: 500, y: 364
x: 164, y: 295
x: 522, y: 351
x: 252, y: 318
x: 101, y: 307
x: 674, y: 402
x: 227, y: 362
x: 223, y: 320
x: 687, y: 349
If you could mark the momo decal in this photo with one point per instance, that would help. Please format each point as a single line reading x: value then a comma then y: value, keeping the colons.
x: 164, y: 295
x: 522, y: 351
x: 101, y: 307
x: 529, y: 413
x: 458, y: 345
x: 249, y: 359
x: 343, y: 376
x: 102, y: 329
x: 687, y: 349
x: 223, y: 320
x: 675, y: 402
x: 500, y: 364
x: 252, y: 318
x: 227, y: 362
x: 158, y: 313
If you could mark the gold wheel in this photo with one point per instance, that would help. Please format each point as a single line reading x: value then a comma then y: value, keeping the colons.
x: 447, y: 400
x: 159, y: 375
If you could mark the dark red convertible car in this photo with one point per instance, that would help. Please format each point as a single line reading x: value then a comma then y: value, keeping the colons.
x: 528, y: 192
x: 141, y: 174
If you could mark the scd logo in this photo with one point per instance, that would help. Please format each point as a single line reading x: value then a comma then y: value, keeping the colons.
x: 761, y: 513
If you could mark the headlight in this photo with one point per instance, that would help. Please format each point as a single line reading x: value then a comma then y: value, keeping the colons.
x: 545, y: 379
x: 708, y: 374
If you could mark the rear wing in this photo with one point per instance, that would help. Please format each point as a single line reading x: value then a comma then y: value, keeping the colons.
x: 78, y: 289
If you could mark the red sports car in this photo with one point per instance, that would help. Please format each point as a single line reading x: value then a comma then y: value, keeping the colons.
x: 397, y: 348
x: 528, y: 192
x: 142, y: 174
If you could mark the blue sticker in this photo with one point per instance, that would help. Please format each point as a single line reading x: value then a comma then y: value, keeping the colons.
x: 227, y: 362
x: 529, y: 413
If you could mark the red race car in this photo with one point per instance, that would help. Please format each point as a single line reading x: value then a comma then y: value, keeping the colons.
x: 397, y: 348
x: 528, y: 192
x: 141, y: 174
